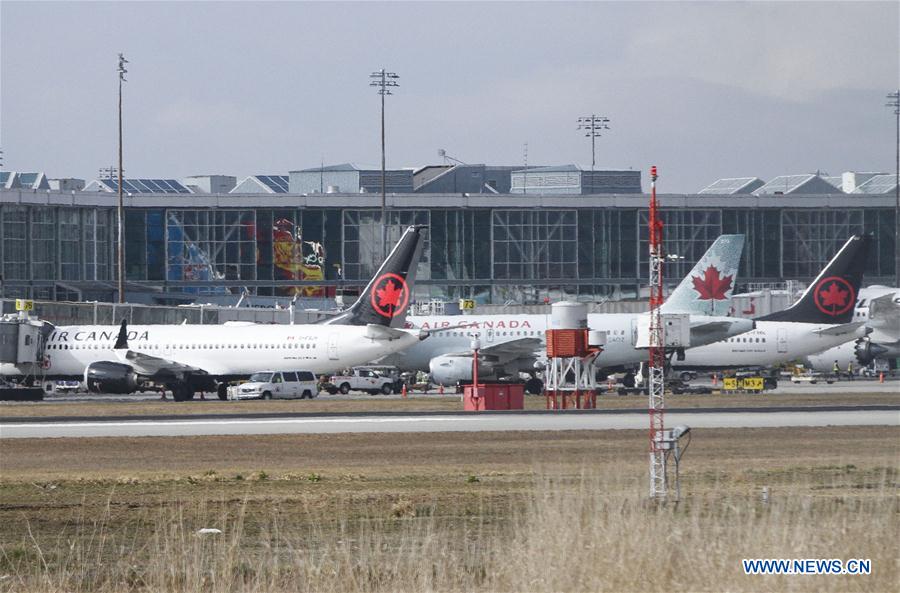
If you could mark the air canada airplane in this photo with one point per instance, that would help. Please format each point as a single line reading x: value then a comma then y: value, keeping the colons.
x: 511, y: 344
x: 190, y: 358
x: 822, y: 318
x: 879, y: 307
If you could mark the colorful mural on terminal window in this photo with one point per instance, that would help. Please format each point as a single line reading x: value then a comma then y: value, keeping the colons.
x: 296, y: 259
x: 190, y: 262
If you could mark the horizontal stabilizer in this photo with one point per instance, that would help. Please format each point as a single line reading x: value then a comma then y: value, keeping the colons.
x: 383, y: 332
x: 840, y: 330
x: 713, y: 327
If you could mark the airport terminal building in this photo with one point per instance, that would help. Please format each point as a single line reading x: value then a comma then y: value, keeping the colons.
x: 494, y: 247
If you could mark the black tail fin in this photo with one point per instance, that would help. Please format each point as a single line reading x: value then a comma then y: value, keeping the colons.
x: 122, y: 338
x: 832, y: 295
x: 387, y: 296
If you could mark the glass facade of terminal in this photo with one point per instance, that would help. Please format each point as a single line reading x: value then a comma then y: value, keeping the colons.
x: 492, y: 254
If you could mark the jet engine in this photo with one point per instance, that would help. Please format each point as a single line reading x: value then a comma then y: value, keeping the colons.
x: 451, y: 369
x: 866, y: 351
x: 110, y: 377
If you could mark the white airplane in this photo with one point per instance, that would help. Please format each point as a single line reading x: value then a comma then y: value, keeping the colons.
x: 823, y: 317
x: 879, y: 307
x: 190, y: 358
x: 511, y: 344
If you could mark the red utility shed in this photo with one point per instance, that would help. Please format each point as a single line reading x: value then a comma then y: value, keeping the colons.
x: 494, y: 396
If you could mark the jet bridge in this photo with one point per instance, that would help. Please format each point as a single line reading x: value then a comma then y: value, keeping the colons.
x: 22, y: 339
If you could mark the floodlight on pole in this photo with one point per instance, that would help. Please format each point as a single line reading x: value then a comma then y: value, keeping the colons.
x: 120, y: 211
x: 593, y: 126
x: 894, y: 101
x: 110, y: 172
x: 383, y: 81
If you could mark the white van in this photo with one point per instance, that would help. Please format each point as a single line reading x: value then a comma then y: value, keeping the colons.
x: 276, y: 385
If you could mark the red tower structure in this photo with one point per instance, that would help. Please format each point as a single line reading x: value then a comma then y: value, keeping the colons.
x: 572, y: 350
x: 657, y: 351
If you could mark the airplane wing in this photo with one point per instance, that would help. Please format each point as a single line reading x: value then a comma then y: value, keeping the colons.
x: 513, y: 348
x: 840, y: 330
x: 145, y: 364
x: 507, y: 350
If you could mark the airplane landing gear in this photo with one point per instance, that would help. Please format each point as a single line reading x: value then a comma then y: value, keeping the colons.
x: 534, y: 386
x: 181, y: 391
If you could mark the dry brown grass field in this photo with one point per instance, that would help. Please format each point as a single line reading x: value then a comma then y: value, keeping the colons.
x: 520, y: 511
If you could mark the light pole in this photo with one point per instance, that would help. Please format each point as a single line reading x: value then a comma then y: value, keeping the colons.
x: 121, y: 210
x: 383, y: 81
x: 593, y: 125
x: 894, y: 101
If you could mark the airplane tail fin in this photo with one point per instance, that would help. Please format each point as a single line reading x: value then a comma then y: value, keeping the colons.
x: 122, y: 338
x: 707, y: 289
x: 386, y: 297
x: 831, y: 297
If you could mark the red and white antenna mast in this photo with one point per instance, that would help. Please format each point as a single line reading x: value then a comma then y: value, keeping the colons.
x: 656, y: 370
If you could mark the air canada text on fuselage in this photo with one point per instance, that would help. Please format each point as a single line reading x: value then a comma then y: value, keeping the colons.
x: 499, y: 324
x: 93, y: 336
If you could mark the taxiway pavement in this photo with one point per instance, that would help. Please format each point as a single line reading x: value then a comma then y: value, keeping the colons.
x: 443, y: 422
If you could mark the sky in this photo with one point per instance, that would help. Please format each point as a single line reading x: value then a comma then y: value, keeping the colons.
x: 702, y: 90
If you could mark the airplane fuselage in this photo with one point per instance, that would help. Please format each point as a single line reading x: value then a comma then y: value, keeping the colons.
x: 220, y: 350
x: 494, y: 330
x: 771, y: 343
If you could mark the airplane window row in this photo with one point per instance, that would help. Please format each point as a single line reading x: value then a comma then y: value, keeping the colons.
x: 293, y: 346
x: 747, y: 340
x: 448, y: 333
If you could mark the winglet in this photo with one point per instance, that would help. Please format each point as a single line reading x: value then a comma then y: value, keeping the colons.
x: 122, y: 339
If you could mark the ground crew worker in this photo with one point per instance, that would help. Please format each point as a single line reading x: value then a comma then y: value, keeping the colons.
x: 836, y: 370
x: 850, y: 370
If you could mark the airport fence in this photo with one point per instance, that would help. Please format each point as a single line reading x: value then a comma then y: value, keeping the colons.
x: 95, y: 313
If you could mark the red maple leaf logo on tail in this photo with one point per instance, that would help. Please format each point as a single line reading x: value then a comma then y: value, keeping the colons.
x: 389, y: 295
x: 712, y: 286
x: 834, y: 296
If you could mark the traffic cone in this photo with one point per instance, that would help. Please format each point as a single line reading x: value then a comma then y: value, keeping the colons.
x: 403, y: 391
